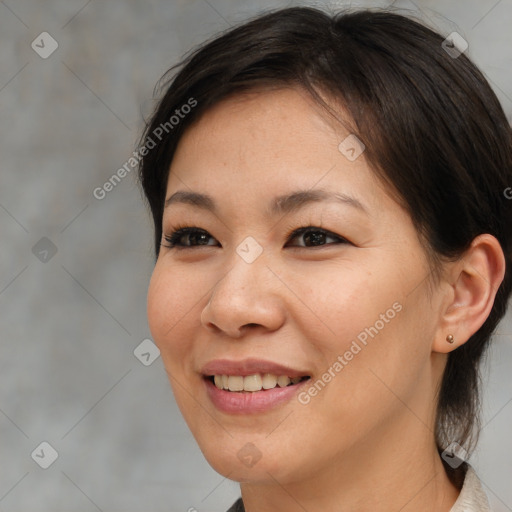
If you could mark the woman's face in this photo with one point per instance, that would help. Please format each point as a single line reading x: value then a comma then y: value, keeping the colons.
x: 344, y: 302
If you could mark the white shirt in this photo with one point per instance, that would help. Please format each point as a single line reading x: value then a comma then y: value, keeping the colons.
x: 472, y: 497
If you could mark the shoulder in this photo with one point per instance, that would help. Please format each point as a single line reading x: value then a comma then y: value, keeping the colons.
x: 472, y: 497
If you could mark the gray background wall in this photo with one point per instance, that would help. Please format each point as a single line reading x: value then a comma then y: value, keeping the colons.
x: 70, y: 321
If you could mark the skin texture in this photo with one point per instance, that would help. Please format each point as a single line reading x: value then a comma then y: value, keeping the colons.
x: 364, y: 442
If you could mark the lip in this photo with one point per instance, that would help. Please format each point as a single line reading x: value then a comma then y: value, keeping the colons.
x: 250, y: 402
x: 255, y: 401
x: 249, y: 367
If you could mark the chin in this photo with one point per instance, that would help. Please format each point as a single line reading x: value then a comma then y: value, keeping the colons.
x: 229, y: 465
x: 281, y: 470
x: 244, y: 463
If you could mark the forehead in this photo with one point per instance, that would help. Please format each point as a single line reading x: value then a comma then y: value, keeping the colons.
x: 269, y: 143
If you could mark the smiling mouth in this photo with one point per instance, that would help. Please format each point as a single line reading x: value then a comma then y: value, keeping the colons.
x: 253, y: 383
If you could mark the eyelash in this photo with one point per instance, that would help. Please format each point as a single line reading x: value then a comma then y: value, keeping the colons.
x: 180, y: 231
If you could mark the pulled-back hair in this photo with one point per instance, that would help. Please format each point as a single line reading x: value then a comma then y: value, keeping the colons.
x: 434, y: 132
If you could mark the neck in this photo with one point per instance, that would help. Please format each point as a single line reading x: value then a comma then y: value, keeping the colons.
x: 396, y: 471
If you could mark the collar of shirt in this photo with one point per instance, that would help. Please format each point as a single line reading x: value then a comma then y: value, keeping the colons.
x: 472, y: 497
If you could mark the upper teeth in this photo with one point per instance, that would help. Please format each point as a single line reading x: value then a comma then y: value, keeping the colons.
x: 254, y: 382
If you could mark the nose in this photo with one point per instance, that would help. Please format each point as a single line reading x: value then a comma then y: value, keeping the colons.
x: 247, y: 297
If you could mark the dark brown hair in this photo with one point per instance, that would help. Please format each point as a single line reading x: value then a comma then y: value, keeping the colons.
x: 433, y: 130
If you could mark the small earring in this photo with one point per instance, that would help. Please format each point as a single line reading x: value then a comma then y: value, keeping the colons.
x: 450, y: 338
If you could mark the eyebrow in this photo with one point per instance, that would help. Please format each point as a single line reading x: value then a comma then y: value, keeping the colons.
x: 280, y: 205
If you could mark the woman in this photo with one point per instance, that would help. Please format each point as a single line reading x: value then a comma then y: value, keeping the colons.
x: 333, y: 251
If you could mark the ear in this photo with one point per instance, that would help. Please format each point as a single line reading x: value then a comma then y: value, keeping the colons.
x: 474, y: 281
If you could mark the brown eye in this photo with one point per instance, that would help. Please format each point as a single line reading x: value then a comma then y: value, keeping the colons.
x: 187, y: 238
x: 315, y: 237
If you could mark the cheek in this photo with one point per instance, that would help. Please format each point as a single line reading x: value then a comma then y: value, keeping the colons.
x: 342, y: 302
x: 370, y: 318
x: 171, y: 304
